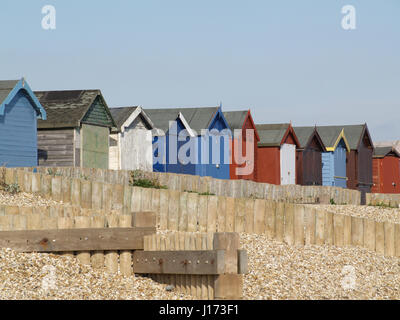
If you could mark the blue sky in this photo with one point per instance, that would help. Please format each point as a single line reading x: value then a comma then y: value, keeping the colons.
x: 285, y: 60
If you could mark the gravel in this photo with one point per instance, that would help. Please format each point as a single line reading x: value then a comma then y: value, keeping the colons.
x: 376, y: 213
x: 25, y: 199
x: 280, y: 271
x: 32, y: 276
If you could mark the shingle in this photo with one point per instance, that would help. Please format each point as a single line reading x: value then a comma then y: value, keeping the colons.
x: 271, y: 134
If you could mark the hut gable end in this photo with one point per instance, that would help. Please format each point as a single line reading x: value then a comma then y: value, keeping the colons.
x: 97, y: 114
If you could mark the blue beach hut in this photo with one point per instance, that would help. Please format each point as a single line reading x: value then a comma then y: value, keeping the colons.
x: 334, y: 160
x: 19, y: 111
x: 209, y: 135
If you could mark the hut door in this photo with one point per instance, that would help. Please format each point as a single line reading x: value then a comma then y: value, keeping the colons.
x: 288, y: 164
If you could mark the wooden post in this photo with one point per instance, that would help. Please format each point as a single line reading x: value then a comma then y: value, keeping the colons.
x: 379, y: 238
x: 173, y: 210
x: 389, y: 239
x: 221, y: 217
x: 357, y: 231
x: 230, y: 215
x: 397, y: 240
x: 212, y: 213
x: 230, y: 284
x: 111, y: 257
x: 202, y: 213
x: 289, y: 223
x: 259, y: 216
x: 328, y: 226
x: 309, y: 219
x: 66, y: 223
x: 320, y: 228
x: 369, y: 234
x: 240, y: 211
x: 280, y: 221
x: 299, y: 224
x: 97, y: 257
x: 83, y: 222
x: 338, y: 230
x: 192, y: 203
x: 183, y: 212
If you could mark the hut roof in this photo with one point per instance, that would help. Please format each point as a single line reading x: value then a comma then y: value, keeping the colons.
x: 304, y: 135
x: 68, y: 108
x: 381, y: 152
x: 197, y: 118
x: 8, y: 89
x: 331, y: 136
x: 272, y: 135
x: 123, y: 114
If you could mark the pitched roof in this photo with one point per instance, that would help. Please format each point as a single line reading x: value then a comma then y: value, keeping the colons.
x: 122, y: 114
x: 8, y: 89
x: 303, y: 134
x: 197, y: 118
x: 353, y: 133
x: 381, y: 152
x: 331, y: 136
x: 395, y: 144
x: 235, y: 119
x: 67, y: 108
x: 271, y: 135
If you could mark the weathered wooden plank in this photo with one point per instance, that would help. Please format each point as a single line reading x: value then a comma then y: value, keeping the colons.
x: 198, y: 262
x: 85, y: 239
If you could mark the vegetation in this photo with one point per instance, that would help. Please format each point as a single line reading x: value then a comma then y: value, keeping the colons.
x: 12, y: 188
x: 137, y: 179
x: 332, y: 201
x: 200, y: 193
x: 206, y: 194
x: 383, y: 205
x: 53, y: 172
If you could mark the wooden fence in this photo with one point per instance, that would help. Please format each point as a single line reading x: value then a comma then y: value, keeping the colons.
x: 228, y: 188
x: 206, y: 266
x: 392, y: 200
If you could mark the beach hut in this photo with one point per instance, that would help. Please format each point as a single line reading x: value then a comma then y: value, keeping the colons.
x: 19, y: 111
x: 204, y: 148
x: 131, y: 141
x: 359, y: 160
x: 276, y: 158
x: 76, y: 133
x: 309, y: 156
x: 241, y: 158
x: 386, y: 170
x: 334, y: 159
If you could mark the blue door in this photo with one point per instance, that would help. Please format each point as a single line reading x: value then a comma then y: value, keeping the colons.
x: 327, y: 169
x: 340, y: 165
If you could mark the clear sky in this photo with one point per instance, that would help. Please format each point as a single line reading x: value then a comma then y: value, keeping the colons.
x: 285, y: 60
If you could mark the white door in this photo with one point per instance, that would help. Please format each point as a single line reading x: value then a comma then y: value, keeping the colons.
x: 288, y: 164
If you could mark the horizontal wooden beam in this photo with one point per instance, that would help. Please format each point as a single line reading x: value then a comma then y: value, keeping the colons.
x: 88, y: 239
x: 210, y: 262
